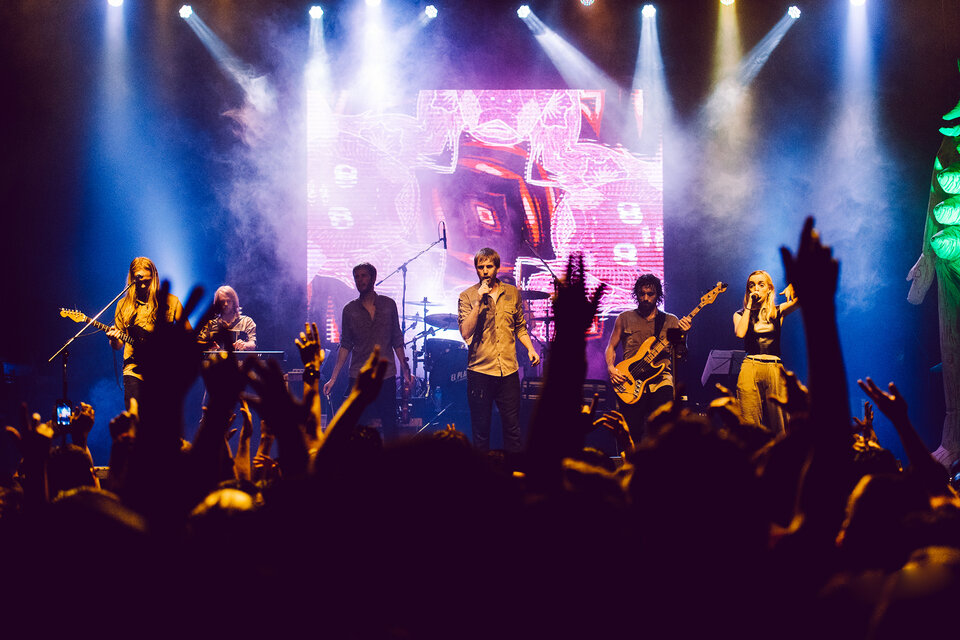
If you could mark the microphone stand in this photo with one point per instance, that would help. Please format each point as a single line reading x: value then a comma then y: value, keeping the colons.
x: 545, y: 351
x: 66, y: 352
x: 403, y: 299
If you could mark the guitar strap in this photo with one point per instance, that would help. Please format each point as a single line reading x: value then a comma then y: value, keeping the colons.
x: 658, y: 323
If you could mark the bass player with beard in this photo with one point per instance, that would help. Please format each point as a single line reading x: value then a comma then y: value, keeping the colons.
x: 630, y: 331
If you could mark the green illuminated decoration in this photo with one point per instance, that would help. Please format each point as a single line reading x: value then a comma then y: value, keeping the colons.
x: 941, y: 260
x: 946, y: 244
x: 949, y: 178
x: 948, y: 211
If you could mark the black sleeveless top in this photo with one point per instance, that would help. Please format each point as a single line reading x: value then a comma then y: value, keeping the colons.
x: 766, y: 343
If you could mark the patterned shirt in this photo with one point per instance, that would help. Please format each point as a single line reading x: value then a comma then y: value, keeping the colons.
x: 243, y: 328
x: 360, y: 333
x: 499, y: 324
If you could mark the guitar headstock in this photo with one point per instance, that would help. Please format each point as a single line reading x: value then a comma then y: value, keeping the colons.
x: 711, y: 295
x: 73, y: 314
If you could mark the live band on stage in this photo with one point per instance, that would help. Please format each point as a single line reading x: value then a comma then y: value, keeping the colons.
x: 494, y: 361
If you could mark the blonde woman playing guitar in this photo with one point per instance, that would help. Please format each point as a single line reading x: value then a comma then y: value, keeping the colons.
x: 631, y: 330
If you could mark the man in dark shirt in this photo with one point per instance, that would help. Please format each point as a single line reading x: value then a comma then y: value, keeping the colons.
x: 369, y: 321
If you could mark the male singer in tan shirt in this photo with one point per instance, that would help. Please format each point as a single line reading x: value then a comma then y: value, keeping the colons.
x: 491, y: 321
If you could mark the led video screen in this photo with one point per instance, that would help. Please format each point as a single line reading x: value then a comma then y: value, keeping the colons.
x: 522, y: 171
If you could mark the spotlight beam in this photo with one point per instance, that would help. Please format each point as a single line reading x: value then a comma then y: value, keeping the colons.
x: 576, y: 69
x: 730, y: 89
x: 258, y: 91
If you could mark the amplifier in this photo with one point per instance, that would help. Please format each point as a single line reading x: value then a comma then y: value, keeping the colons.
x: 279, y: 355
x: 530, y: 389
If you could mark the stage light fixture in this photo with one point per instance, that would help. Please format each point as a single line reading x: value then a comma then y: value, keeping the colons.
x: 858, y: 3
x: 373, y: 3
x: 430, y: 11
x: 316, y: 12
x: 587, y: 3
x: 648, y: 11
x: 523, y: 11
x: 726, y: 2
x: 186, y: 11
x: 794, y: 12
x: 115, y: 3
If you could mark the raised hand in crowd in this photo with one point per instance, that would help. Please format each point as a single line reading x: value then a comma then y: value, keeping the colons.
x: 894, y: 407
x: 796, y: 401
x: 170, y: 358
x: 123, y: 426
x: 574, y: 308
x: 210, y: 458
x: 311, y: 355
x: 865, y: 426
x: 814, y: 273
x: 264, y: 468
x: 170, y: 354
x: 241, y: 461
x: 36, y: 437
x: 615, y: 422
x: 308, y: 345
x: 558, y: 427
x: 81, y: 423
x: 287, y: 417
x: 365, y: 390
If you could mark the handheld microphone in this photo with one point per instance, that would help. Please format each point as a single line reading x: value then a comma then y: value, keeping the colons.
x: 444, y: 235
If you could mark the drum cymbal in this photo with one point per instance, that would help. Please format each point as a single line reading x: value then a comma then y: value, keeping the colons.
x: 420, y: 303
x: 534, y: 295
x: 442, y: 320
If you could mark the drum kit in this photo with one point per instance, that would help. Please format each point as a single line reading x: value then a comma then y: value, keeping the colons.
x: 444, y: 360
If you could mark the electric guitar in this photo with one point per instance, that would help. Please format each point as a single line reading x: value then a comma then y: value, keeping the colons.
x: 77, y: 316
x: 640, y: 369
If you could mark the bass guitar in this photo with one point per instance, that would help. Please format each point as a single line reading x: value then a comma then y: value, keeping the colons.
x: 77, y: 316
x: 640, y: 369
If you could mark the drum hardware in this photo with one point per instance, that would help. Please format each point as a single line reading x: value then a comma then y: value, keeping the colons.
x: 534, y: 295
x: 443, y: 320
x: 423, y: 303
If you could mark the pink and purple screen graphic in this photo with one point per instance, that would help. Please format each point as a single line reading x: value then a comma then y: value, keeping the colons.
x: 520, y: 171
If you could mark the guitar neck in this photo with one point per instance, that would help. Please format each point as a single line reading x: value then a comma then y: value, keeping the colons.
x: 660, y: 344
x: 124, y: 336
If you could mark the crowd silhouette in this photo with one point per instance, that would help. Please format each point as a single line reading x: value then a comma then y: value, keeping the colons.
x: 710, y: 527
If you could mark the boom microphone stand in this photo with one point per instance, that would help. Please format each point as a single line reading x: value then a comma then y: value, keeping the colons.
x: 66, y: 352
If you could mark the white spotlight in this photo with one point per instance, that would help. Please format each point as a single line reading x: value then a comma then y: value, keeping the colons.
x: 186, y: 11
x: 373, y: 3
x: 726, y: 2
x: 316, y: 12
x: 587, y: 3
x: 523, y: 11
x: 794, y: 12
x: 430, y: 11
x: 648, y: 11
x: 115, y: 3
x: 858, y: 3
